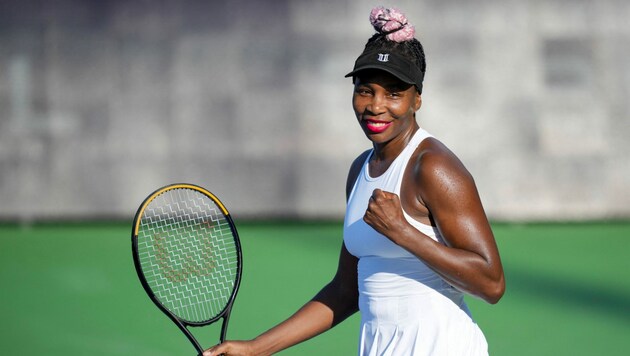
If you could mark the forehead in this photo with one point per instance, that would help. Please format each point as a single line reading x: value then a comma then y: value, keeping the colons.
x: 382, y: 78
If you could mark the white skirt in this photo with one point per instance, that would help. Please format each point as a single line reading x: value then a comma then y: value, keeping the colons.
x: 414, y: 314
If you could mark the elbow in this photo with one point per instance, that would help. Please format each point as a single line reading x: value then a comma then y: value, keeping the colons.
x: 340, y: 298
x: 494, y: 291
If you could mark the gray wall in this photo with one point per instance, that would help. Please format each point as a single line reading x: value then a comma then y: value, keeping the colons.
x: 103, y: 101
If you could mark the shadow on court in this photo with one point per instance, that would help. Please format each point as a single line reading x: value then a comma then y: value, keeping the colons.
x: 572, y: 294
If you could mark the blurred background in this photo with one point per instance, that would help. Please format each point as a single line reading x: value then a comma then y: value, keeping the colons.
x: 103, y: 101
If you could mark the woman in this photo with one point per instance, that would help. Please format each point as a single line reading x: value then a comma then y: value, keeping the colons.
x: 416, y: 237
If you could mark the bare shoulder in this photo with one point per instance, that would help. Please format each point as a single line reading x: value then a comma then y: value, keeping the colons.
x: 439, y: 173
x: 434, y: 159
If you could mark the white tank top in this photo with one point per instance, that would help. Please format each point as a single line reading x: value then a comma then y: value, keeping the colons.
x: 379, y: 256
x: 406, y: 308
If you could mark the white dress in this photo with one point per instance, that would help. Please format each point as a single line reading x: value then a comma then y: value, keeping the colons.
x: 406, y: 308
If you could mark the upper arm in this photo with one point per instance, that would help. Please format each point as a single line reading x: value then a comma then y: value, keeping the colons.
x: 341, y: 295
x: 346, y: 274
x: 450, y: 194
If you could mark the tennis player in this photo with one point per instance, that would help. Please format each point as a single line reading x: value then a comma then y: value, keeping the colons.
x: 416, y: 237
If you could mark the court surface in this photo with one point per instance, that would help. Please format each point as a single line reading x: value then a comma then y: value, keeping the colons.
x: 71, y: 289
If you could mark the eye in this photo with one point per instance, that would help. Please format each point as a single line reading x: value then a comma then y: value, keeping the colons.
x: 363, y: 91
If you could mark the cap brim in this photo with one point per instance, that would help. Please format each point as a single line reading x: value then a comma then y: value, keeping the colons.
x: 395, y: 73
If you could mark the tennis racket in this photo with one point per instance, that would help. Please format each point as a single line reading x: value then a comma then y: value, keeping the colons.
x: 188, y: 256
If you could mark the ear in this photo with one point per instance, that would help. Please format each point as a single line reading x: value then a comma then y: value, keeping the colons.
x: 417, y: 101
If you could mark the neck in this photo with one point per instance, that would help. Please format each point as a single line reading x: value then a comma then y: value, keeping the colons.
x: 388, y: 151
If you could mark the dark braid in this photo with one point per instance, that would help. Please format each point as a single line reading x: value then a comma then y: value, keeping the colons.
x: 411, y: 50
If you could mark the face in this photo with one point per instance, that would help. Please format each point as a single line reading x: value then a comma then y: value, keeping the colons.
x: 384, y: 105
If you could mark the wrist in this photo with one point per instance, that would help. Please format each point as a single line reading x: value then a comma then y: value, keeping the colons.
x: 408, y: 235
x: 262, y: 346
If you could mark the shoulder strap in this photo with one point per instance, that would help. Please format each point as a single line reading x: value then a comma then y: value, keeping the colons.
x: 417, y: 138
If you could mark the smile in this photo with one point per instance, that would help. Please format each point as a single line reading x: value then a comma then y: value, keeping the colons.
x: 377, y: 126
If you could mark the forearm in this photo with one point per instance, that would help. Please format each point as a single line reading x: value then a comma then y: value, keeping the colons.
x: 333, y: 304
x: 468, y: 271
x: 311, y: 320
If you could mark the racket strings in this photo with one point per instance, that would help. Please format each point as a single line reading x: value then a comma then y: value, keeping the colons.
x: 188, y: 254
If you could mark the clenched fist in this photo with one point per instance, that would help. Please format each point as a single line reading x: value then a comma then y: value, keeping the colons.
x: 384, y: 214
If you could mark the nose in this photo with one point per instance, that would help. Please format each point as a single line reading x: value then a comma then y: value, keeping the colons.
x: 377, y: 104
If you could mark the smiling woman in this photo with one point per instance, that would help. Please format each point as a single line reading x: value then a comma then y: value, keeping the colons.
x: 416, y: 237
x: 381, y: 101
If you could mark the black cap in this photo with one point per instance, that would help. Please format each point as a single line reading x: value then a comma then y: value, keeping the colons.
x: 396, y: 65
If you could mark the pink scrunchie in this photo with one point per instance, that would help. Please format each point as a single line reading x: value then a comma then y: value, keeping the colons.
x: 392, y: 23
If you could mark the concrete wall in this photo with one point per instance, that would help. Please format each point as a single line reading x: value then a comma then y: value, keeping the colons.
x: 103, y: 101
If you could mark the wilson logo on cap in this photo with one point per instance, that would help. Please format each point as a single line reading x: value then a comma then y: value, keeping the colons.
x: 383, y: 57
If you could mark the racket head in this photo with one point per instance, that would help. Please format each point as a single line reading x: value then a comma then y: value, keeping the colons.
x: 187, y: 253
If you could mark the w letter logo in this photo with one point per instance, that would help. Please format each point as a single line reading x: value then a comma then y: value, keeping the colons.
x: 383, y: 57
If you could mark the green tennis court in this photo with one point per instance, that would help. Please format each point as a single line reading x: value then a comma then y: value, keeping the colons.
x: 71, y: 289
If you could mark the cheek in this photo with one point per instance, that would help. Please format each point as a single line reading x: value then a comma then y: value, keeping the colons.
x: 402, y: 110
x: 357, y: 104
x: 409, y: 108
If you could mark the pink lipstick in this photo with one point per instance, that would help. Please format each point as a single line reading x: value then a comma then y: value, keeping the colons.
x: 376, y: 126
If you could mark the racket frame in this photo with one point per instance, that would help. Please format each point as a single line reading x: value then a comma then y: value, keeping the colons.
x: 184, y: 324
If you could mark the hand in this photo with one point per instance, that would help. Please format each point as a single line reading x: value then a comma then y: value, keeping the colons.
x: 231, y: 348
x: 384, y: 214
